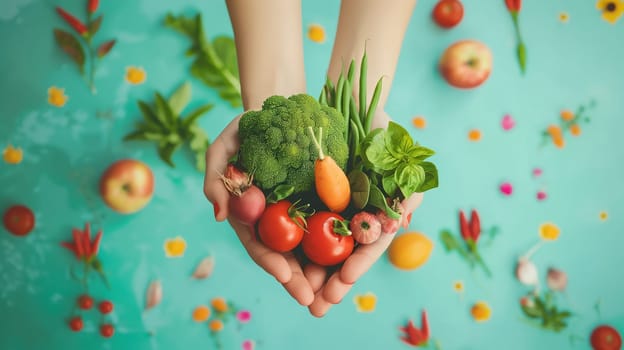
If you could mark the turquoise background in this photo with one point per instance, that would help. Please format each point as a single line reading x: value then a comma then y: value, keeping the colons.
x: 66, y: 150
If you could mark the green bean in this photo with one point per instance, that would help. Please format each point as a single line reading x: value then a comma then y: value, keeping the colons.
x: 373, y: 105
x: 351, y: 72
x: 363, y: 68
x: 355, y: 118
x: 323, y: 97
x: 339, y: 88
x: 354, y: 149
x: 346, y: 92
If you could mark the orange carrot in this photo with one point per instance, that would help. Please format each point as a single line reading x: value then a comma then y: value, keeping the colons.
x: 332, y: 184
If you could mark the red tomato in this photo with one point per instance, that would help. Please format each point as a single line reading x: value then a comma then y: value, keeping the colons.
x: 19, y: 220
x: 606, y: 338
x: 321, y: 244
x: 448, y: 13
x: 76, y: 324
x: 277, y: 227
x: 85, y: 302
x: 106, y: 307
x: 107, y: 330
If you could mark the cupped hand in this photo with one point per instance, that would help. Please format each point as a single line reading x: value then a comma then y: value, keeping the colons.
x: 284, y: 267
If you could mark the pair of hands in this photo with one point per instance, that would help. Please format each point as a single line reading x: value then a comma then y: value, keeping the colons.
x: 310, y: 285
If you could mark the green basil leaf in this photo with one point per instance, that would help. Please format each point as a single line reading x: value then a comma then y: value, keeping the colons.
x: 199, y: 144
x: 532, y: 312
x: 164, y: 112
x: 377, y: 199
x: 94, y: 26
x: 375, y: 154
x: 71, y: 46
x: 398, y: 140
x: 389, y: 184
x: 280, y: 192
x: 149, y: 127
x: 360, y: 188
x: 180, y: 98
x: 409, y: 178
x: 431, y: 177
x: 419, y: 153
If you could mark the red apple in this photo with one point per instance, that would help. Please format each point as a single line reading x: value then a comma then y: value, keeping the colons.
x: 466, y: 64
x: 127, y: 186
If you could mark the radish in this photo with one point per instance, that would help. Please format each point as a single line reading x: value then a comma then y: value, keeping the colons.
x: 247, y: 201
x: 365, y: 227
x: 388, y: 225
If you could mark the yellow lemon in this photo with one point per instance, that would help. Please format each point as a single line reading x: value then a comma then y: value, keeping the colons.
x: 410, y: 250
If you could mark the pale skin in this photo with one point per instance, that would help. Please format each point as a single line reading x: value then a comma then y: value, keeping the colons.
x: 269, y: 43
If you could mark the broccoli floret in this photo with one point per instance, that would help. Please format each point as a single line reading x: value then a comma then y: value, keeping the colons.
x: 276, y: 146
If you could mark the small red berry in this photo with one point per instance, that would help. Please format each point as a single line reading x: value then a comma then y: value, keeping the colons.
x: 85, y: 302
x: 106, y: 307
x: 76, y: 324
x: 107, y: 330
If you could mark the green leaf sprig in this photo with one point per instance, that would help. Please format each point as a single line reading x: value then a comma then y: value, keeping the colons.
x: 542, y: 308
x: 215, y: 62
x: 164, y: 125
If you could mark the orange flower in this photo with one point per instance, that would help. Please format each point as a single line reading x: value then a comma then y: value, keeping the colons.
x: 575, y: 130
x: 219, y: 304
x: 481, y: 311
x: 216, y: 325
x: 419, y: 122
x: 557, y: 135
x: 12, y: 155
x: 201, y: 313
x: 474, y: 135
x: 316, y: 33
x: 567, y: 115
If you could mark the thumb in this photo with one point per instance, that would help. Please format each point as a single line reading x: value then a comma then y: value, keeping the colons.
x: 409, y: 205
x: 218, y: 195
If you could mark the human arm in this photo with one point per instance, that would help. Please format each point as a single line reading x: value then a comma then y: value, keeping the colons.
x: 379, y: 27
x: 270, y: 59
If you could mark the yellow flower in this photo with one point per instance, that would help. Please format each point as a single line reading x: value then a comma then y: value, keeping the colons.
x: 549, y: 231
x: 12, y: 155
x: 56, y: 96
x: 474, y: 135
x: 481, y: 311
x: 219, y: 304
x: 316, y: 33
x: 564, y: 17
x: 611, y: 10
x: 365, y: 302
x: 175, y: 247
x: 458, y: 286
x: 216, y: 325
x: 604, y: 215
x: 419, y: 122
x: 201, y: 313
x: 135, y: 75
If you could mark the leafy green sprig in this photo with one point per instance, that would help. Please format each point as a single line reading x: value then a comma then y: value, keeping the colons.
x: 164, y: 125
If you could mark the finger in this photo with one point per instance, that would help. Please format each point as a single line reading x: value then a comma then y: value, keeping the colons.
x: 409, y: 205
x: 363, y: 258
x: 316, y: 276
x: 298, y: 286
x: 217, y: 194
x: 336, y: 289
x: 272, y: 262
x: 319, y: 306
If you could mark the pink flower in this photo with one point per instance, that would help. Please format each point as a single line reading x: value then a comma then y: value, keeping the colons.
x: 243, y: 316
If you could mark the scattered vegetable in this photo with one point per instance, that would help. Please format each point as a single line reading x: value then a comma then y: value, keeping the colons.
x: 164, y: 125
x: 448, y: 13
x: 605, y: 337
x: 365, y: 227
x: 410, y: 250
x: 331, y: 183
x: 105, y: 307
x: 214, y: 62
x: 76, y: 324
x: 154, y: 294
x: 19, y: 220
x: 389, y: 225
x: 85, y: 302
x: 107, y: 330
x: 204, y: 268
x: 247, y: 202
x: 281, y: 226
x: 328, y: 241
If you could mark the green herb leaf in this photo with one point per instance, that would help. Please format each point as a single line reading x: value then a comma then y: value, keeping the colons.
x: 180, y: 98
x: 389, y: 184
x: 420, y: 153
x: 377, y: 199
x: 105, y: 48
x: 449, y: 241
x: 409, y: 178
x: 150, y: 117
x: 164, y: 112
x: 397, y: 140
x: 143, y: 136
x: 532, y: 312
x: 94, y: 26
x: 215, y: 63
x: 196, y: 114
x: 166, y: 150
x: 375, y: 154
x: 360, y: 188
x: 280, y: 192
x: 199, y: 143
x: 431, y: 177
x: 71, y: 46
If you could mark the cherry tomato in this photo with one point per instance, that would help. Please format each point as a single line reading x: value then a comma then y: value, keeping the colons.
x: 19, y: 220
x: 107, y: 330
x: 448, y: 13
x: 76, y: 324
x: 277, y: 227
x: 605, y: 337
x: 85, y: 302
x: 322, y: 244
x: 106, y: 307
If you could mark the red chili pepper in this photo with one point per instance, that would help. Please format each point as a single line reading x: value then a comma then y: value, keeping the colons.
x: 71, y: 247
x: 513, y: 5
x: 475, y: 225
x: 78, y: 26
x: 92, y: 6
x: 96, y: 243
x: 86, y: 240
x: 78, y: 242
x: 464, y: 229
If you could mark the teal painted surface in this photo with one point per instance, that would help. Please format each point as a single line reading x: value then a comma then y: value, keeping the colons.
x: 66, y: 149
